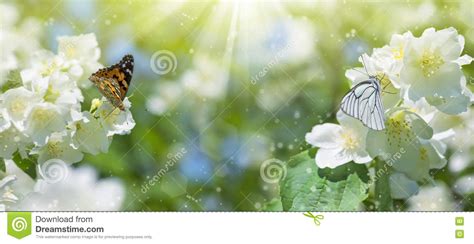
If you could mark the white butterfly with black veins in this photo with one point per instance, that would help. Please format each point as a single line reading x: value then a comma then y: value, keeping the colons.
x: 364, y: 103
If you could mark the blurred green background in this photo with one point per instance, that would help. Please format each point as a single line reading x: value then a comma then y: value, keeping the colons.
x: 250, y: 79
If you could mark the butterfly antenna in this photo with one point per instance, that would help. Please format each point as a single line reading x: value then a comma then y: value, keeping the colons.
x: 359, y: 71
x: 113, y: 110
x: 388, y: 83
x: 365, y: 67
x: 383, y: 76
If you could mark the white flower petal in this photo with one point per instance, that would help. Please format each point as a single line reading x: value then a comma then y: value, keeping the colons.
x: 361, y: 157
x: 324, y: 136
x: 115, y: 121
x: 44, y: 119
x: 464, y: 60
x: 89, y: 135
x: 331, y: 158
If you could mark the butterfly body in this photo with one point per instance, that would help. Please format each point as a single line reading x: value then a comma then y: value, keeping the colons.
x: 113, y: 82
x: 364, y: 103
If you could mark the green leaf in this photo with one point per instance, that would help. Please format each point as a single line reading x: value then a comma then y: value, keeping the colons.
x: 13, y: 80
x: 273, y: 206
x: 27, y: 165
x: 308, y: 188
x: 2, y: 166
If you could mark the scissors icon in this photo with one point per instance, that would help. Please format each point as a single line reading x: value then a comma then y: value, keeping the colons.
x: 316, y: 218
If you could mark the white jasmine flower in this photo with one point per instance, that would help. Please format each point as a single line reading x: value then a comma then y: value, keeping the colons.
x: 433, y: 198
x: 89, y: 135
x: 12, y: 140
x: 44, y: 119
x: 62, y: 91
x: 115, y: 121
x: 43, y: 64
x: 405, y: 144
x: 83, y: 53
x: 7, y: 195
x: 4, y: 120
x: 83, y: 47
x: 17, y: 184
x: 422, y: 108
x: 81, y: 190
x: 387, y: 74
x: 59, y: 146
x: 428, y: 113
x: 431, y: 70
x: 339, y: 144
x: 389, y: 58
x: 462, y: 125
x: 51, y: 78
x: 17, y: 103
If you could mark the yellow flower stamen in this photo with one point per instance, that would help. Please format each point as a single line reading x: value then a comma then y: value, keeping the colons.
x: 55, y: 149
x: 398, y: 53
x: 430, y: 62
x: 18, y: 106
x: 51, y: 94
x: 423, y: 153
x: 48, y: 69
x: 350, y: 140
x: 399, y: 129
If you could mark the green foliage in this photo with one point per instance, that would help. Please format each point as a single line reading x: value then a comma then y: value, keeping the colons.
x: 273, y: 205
x: 13, y: 80
x: 27, y: 165
x: 2, y: 166
x: 308, y: 188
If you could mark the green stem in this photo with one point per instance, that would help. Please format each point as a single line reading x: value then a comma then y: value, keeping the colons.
x: 398, y: 103
x: 382, y: 186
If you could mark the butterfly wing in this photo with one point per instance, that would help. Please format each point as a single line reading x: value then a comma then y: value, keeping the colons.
x: 113, y: 82
x: 125, y: 66
x: 122, y: 72
x: 109, y: 88
x: 363, y: 102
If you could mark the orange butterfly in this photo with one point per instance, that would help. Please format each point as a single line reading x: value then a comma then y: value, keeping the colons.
x: 113, y: 81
